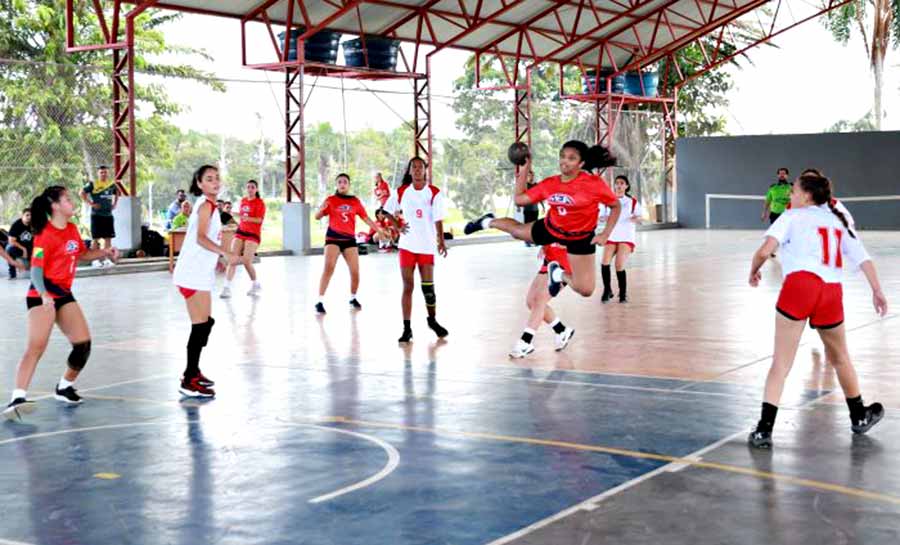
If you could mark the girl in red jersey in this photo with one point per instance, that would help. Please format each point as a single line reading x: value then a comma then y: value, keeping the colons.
x: 57, y: 249
x: 573, y: 197
x: 382, y: 191
x: 195, y: 275
x: 815, y: 238
x: 621, y: 240
x: 340, y: 239
x: 247, y: 238
x: 538, y: 302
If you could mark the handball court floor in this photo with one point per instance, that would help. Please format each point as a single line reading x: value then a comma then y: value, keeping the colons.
x: 325, y: 431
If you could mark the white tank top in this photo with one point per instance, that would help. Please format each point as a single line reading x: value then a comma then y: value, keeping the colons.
x: 196, y: 266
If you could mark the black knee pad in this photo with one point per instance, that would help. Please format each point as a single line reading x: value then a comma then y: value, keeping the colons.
x: 79, y: 355
x: 428, y: 291
x: 200, y: 334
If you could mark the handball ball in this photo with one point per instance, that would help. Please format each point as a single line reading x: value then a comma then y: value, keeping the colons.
x: 518, y: 153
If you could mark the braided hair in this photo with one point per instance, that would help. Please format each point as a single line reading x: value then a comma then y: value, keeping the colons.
x: 819, y: 188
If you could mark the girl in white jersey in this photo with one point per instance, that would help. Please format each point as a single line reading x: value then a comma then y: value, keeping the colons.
x: 815, y: 241
x: 195, y: 275
x: 621, y: 240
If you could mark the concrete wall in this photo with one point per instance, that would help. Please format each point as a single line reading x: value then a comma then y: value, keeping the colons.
x: 860, y: 165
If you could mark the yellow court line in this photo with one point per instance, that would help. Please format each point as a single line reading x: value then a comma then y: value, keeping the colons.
x: 808, y: 483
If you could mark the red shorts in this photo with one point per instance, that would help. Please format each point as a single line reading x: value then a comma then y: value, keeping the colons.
x: 186, y: 292
x: 560, y: 255
x: 614, y: 244
x: 806, y: 296
x: 247, y: 236
x: 409, y: 259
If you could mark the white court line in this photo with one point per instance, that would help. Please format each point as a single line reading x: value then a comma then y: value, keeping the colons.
x: 11, y: 542
x: 592, y: 503
x: 113, y: 385
x: 392, y: 462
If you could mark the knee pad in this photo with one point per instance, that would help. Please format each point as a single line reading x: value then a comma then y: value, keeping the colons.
x: 200, y: 334
x: 428, y: 291
x: 79, y: 355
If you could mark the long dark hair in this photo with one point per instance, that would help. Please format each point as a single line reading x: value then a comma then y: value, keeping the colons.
x: 627, y: 183
x: 407, y: 177
x: 819, y: 188
x: 594, y: 157
x: 42, y: 207
x: 198, y: 175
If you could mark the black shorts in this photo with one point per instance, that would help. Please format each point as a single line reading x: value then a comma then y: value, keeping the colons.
x: 103, y: 227
x: 542, y: 237
x: 342, y: 243
x: 244, y: 235
x: 58, y: 303
x: 773, y: 216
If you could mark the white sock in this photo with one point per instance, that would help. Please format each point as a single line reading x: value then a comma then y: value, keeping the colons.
x: 352, y: 296
x: 320, y: 301
x: 17, y: 393
x: 227, y: 283
x: 63, y: 383
x: 558, y: 277
x: 486, y: 223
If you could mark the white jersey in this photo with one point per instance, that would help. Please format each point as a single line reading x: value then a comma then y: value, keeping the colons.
x: 813, y: 239
x: 421, y: 209
x: 196, y: 266
x: 625, y: 229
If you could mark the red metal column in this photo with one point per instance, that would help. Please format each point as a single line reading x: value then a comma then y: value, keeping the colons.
x: 522, y: 112
x: 423, y: 144
x: 123, y: 120
x: 294, y: 135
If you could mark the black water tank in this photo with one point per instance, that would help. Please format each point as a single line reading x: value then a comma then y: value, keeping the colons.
x: 382, y: 53
x: 320, y: 47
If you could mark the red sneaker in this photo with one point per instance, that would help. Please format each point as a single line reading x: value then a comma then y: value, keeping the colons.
x: 193, y: 388
x: 203, y: 380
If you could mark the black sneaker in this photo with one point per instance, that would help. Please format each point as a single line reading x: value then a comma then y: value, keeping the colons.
x: 606, y: 297
x: 320, y: 308
x: 353, y: 303
x: 553, y: 286
x: 406, y: 337
x: 623, y: 299
x: 874, y: 413
x: 475, y: 225
x: 17, y: 407
x: 438, y: 329
x: 192, y: 388
x: 760, y: 439
x: 67, y: 395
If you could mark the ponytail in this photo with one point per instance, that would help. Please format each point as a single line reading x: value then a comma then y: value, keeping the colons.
x: 42, y: 207
x: 819, y: 188
x: 195, y: 180
x: 841, y: 217
x: 594, y: 157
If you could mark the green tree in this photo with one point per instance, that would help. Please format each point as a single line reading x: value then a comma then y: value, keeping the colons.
x: 878, y: 24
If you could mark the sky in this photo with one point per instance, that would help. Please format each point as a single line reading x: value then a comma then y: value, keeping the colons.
x: 804, y: 85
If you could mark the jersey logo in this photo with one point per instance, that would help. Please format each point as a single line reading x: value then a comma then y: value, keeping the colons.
x: 344, y: 208
x: 561, y: 198
x: 71, y: 246
x: 39, y: 253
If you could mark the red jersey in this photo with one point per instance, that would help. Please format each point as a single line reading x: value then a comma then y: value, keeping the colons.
x: 382, y: 192
x: 57, y: 251
x: 255, y: 208
x: 342, y: 211
x: 572, y: 205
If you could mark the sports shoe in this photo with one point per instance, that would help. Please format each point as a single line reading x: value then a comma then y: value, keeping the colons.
x: 255, y: 289
x: 67, y: 395
x: 475, y: 225
x: 320, y: 308
x: 193, y: 388
x: 760, y: 439
x: 554, y: 285
x: 623, y: 298
x: 521, y: 350
x: 562, y: 339
x: 97, y: 264
x: 355, y: 304
x: 226, y: 293
x: 17, y: 407
x: 203, y: 380
x: 406, y: 337
x: 606, y: 297
x: 874, y: 413
x: 438, y: 329
x: 107, y: 264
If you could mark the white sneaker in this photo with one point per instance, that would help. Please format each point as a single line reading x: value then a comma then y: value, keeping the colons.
x: 562, y: 339
x: 107, y: 263
x: 255, y: 289
x: 97, y: 264
x: 226, y: 293
x: 521, y: 350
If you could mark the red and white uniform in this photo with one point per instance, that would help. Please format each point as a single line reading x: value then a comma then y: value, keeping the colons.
x: 572, y: 205
x: 554, y: 252
x: 815, y: 250
x: 342, y: 211
x: 625, y: 230
x: 57, y: 251
x: 196, y: 266
x: 421, y: 208
x: 254, y: 208
x: 382, y: 193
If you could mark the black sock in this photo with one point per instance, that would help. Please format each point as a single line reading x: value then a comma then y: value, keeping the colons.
x: 857, y: 409
x: 623, y: 283
x: 559, y: 327
x: 527, y: 337
x: 406, y: 325
x: 194, y: 347
x: 607, y: 279
x: 767, y: 417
